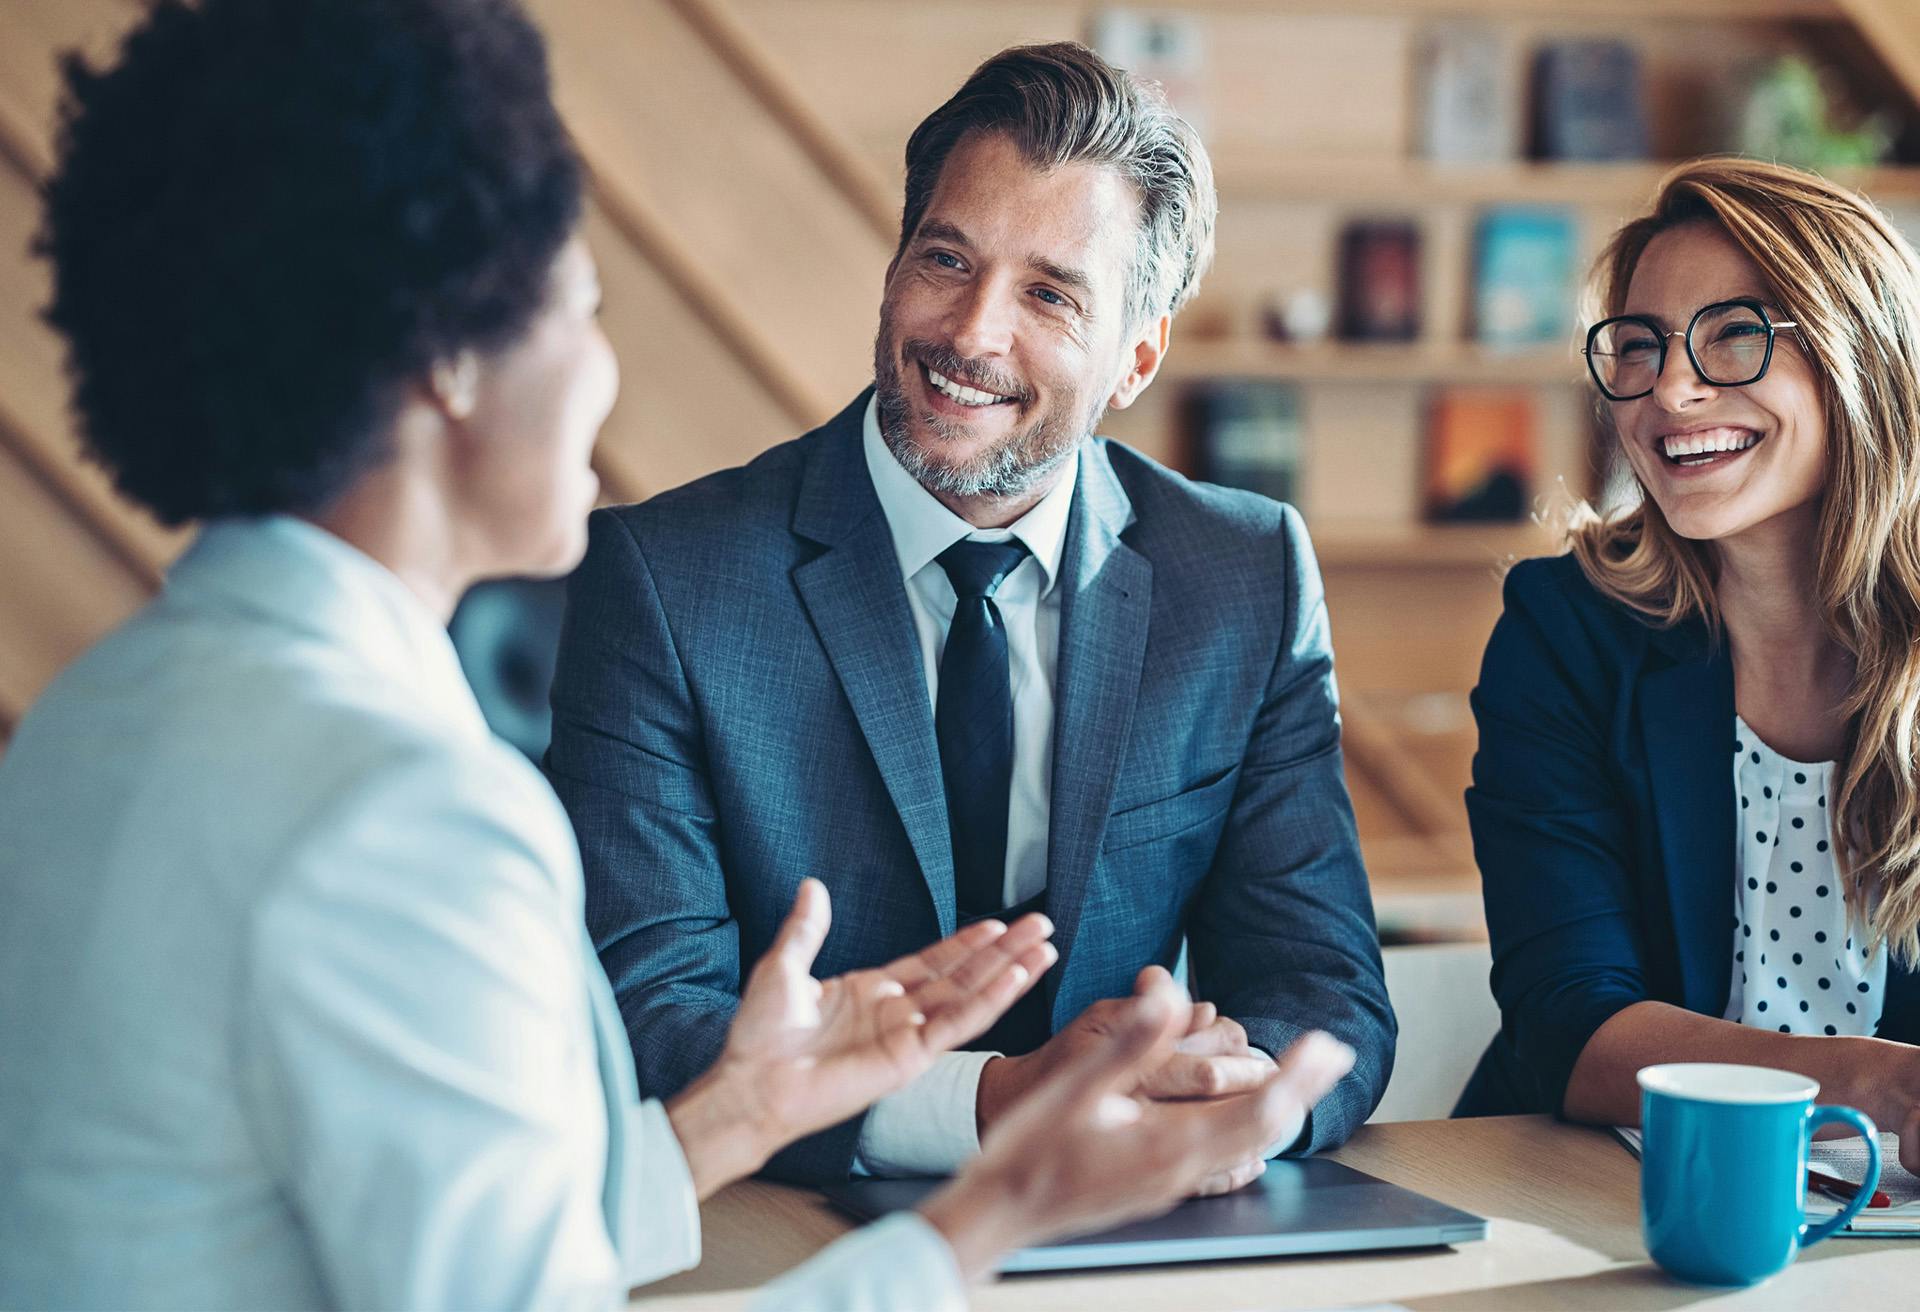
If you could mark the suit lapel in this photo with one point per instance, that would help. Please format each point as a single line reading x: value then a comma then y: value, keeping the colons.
x: 1686, y: 718
x: 1103, y: 642
x: 858, y: 603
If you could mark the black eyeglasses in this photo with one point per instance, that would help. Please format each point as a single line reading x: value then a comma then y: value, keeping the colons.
x: 1729, y: 342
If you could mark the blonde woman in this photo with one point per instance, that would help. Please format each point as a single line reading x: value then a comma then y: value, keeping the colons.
x: 1695, y: 806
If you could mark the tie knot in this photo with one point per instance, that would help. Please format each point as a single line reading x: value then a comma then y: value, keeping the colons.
x: 977, y: 568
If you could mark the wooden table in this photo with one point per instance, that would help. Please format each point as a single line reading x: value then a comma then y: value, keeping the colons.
x: 1564, y: 1232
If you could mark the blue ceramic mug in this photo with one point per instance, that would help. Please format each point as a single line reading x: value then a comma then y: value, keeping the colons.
x: 1723, y: 1169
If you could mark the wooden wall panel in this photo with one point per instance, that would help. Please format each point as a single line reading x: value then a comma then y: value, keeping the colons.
x: 59, y: 591
x: 687, y: 406
x: 652, y: 105
x: 875, y: 69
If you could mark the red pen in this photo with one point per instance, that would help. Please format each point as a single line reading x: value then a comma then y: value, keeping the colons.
x: 1834, y: 1187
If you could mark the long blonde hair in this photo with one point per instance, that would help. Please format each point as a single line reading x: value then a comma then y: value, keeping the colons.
x: 1852, y: 284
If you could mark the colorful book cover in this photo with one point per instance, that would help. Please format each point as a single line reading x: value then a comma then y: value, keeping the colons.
x: 1380, y: 281
x: 1247, y: 434
x: 1523, y: 291
x: 1481, y: 456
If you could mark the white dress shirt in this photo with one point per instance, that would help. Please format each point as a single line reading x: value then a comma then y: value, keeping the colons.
x: 296, y: 1000
x: 929, y: 1128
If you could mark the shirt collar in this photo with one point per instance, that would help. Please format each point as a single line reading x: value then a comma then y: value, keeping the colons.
x: 923, y: 528
x: 298, y: 575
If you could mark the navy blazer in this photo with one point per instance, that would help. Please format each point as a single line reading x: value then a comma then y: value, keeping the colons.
x: 1603, y: 820
x: 740, y: 702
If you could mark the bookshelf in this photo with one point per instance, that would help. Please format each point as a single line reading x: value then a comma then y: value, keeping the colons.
x: 1616, y: 11
x: 1411, y: 602
x: 1244, y: 173
x: 1371, y: 362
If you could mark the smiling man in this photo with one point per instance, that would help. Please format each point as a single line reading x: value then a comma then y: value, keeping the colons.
x: 956, y: 655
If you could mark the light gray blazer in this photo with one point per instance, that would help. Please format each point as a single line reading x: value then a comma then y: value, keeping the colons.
x: 295, y: 1000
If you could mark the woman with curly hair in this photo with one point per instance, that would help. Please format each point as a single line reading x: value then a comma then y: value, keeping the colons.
x: 296, y: 999
x: 1695, y: 804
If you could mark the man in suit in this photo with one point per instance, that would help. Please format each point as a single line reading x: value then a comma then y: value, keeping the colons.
x: 958, y: 657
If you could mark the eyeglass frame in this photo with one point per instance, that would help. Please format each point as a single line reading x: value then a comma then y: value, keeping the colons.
x: 1686, y: 339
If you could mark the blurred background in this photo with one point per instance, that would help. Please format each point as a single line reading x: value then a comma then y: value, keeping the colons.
x: 1411, y: 191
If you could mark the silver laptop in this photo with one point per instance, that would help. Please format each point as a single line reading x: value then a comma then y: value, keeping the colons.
x: 1298, y: 1206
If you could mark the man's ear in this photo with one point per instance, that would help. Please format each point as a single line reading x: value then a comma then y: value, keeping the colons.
x: 1149, y: 349
x: 455, y: 385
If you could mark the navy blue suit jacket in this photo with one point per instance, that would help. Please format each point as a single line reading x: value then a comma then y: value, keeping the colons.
x: 1603, y: 821
x: 740, y: 703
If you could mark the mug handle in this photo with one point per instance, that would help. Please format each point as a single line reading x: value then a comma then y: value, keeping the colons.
x: 1864, y: 1126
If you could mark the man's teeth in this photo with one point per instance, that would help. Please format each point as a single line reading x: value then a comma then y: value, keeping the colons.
x: 1700, y: 444
x: 963, y: 394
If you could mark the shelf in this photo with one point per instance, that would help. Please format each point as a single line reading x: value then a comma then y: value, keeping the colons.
x: 1428, y: 546
x: 1616, y: 11
x: 1366, y: 362
x: 1413, y: 184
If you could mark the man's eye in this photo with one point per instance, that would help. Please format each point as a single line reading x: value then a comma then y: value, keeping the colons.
x: 1050, y: 296
x: 945, y: 259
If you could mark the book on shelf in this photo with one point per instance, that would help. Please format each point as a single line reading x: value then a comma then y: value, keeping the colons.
x: 1468, y: 106
x: 1481, y: 455
x: 1523, y: 258
x: 1587, y: 102
x: 1246, y: 433
x: 1162, y: 47
x: 1380, y: 281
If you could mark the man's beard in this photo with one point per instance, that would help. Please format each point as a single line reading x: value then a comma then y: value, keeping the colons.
x: 1008, y: 469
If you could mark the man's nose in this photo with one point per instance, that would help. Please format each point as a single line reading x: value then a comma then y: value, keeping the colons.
x: 982, y: 322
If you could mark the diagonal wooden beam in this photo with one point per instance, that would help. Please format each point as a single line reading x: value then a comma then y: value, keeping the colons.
x: 56, y: 472
x: 1893, y: 28
x: 766, y: 79
x: 1373, y: 748
x: 22, y: 146
x: 649, y: 233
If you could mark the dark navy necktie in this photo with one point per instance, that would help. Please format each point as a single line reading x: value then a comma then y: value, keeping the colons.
x: 973, y: 720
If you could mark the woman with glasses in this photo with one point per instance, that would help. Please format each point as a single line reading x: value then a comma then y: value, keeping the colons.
x: 1695, y: 805
x: 297, y: 1007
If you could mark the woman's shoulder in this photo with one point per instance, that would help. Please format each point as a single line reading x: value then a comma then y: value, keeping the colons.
x: 1558, y: 627
x: 1558, y: 594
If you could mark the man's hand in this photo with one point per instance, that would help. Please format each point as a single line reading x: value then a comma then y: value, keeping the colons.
x: 1209, y: 1058
x: 1086, y: 1150
x: 804, y: 1054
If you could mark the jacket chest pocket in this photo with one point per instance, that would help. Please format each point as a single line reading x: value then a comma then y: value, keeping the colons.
x: 1164, y: 817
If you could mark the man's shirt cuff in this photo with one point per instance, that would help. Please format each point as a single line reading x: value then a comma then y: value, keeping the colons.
x: 928, y: 1128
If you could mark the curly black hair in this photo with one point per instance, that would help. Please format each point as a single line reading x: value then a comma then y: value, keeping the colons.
x: 268, y: 215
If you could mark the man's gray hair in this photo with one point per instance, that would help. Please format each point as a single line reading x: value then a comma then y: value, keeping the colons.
x: 1063, y: 104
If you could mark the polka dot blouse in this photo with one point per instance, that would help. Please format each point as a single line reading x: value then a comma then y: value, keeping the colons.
x: 1799, y: 965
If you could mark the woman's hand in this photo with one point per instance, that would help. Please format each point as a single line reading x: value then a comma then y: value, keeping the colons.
x: 804, y: 1054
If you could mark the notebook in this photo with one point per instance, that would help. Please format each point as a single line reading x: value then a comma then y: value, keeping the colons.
x: 1846, y: 1159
